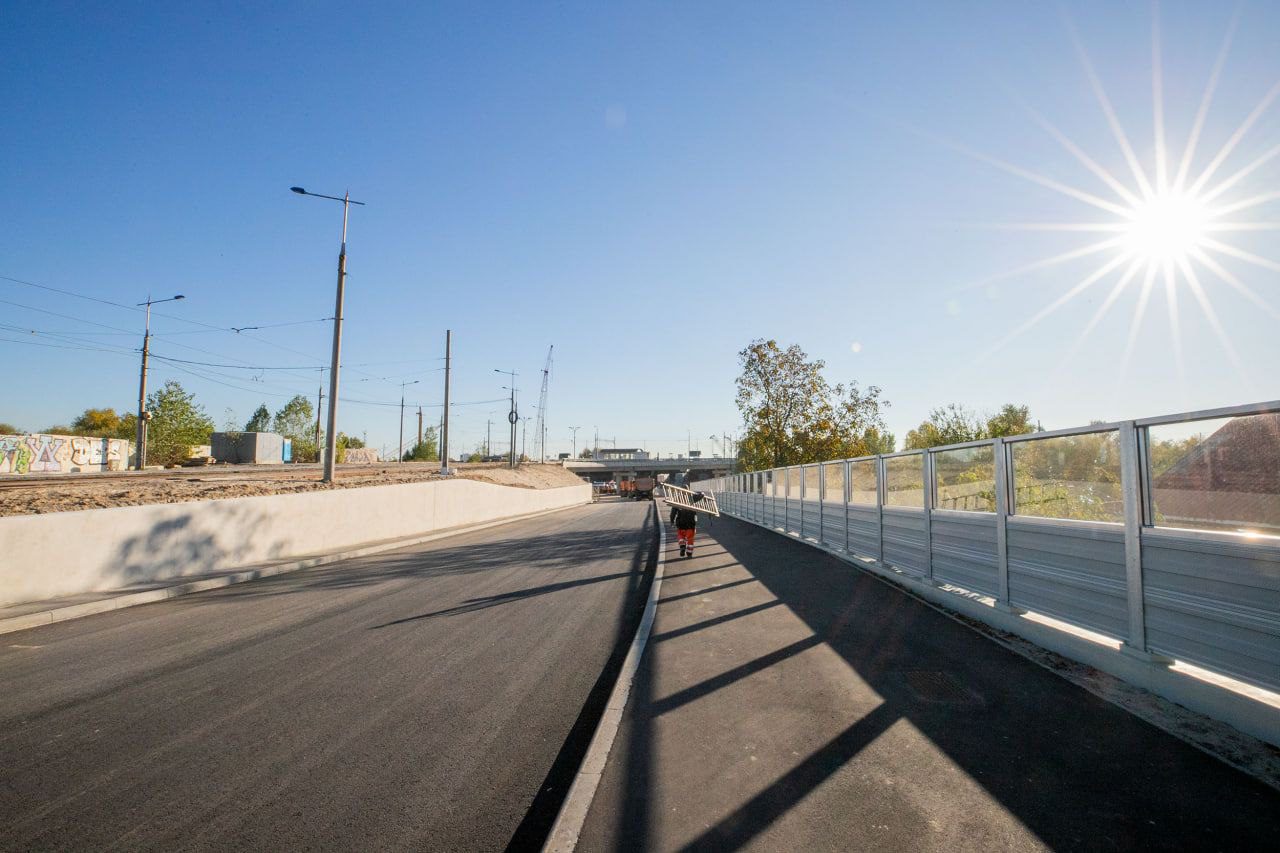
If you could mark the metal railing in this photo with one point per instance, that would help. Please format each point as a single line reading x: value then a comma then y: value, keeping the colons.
x: 1162, y: 533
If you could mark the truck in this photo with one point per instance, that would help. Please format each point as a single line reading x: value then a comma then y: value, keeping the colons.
x: 642, y: 488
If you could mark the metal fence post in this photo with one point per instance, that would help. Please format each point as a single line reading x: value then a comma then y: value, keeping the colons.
x: 1131, y: 485
x: 880, y: 493
x: 822, y: 499
x: 848, y: 475
x: 786, y: 500
x: 927, y: 468
x: 1000, y: 452
x: 803, y: 489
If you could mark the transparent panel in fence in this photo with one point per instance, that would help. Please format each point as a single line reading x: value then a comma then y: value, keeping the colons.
x: 793, y: 482
x: 966, y: 479
x: 771, y: 483
x: 904, y: 480
x: 862, y: 482
x: 1222, y: 474
x: 812, y: 482
x: 833, y: 473
x: 1069, y: 476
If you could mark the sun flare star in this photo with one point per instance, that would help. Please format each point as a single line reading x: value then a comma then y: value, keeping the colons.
x: 1166, y: 226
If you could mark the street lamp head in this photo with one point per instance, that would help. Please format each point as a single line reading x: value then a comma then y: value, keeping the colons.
x: 299, y: 190
x: 179, y: 296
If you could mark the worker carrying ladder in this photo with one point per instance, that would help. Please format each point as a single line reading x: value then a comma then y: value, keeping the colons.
x: 685, y: 506
x: 688, y: 499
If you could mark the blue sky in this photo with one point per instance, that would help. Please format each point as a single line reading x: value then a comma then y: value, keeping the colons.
x: 647, y: 186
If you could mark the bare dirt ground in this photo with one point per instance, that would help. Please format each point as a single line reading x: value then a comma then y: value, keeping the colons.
x: 68, y: 492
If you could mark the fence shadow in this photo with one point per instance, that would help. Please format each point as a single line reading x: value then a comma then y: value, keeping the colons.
x: 1075, y: 770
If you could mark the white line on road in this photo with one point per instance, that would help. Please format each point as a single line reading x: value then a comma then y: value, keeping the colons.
x: 573, y: 814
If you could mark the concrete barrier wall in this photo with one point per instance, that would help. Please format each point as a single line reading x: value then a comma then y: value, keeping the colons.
x: 67, y: 553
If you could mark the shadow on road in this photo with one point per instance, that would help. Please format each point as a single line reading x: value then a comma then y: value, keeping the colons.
x: 543, y: 552
x: 1075, y: 770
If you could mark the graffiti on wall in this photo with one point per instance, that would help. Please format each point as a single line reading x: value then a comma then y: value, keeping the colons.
x: 62, y: 454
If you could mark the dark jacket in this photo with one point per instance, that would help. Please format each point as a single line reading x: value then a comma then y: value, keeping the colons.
x: 684, y: 519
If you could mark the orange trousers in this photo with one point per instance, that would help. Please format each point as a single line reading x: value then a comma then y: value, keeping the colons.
x: 686, y: 536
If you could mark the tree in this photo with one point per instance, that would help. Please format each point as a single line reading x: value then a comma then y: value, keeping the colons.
x: 261, y: 420
x: 99, y: 423
x: 128, y: 427
x: 879, y: 441
x: 10, y: 429
x: 793, y: 415
x: 585, y: 453
x: 296, y: 421
x: 1011, y: 420
x: 425, y: 450
x: 177, y: 424
x: 950, y: 424
x: 351, y: 441
x: 955, y: 424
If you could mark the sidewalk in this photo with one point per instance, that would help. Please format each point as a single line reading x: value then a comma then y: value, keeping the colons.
x: 790, y: 702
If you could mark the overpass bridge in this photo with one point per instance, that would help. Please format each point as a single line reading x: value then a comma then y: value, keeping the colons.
x: 696, y: 467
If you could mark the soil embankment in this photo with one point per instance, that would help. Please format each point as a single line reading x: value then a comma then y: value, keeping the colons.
x: 68, y: 492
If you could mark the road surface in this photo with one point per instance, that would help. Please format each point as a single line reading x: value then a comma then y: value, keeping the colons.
x: 410, y: 700
x: 788, y: 701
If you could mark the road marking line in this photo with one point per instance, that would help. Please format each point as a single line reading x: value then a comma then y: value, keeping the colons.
x: 573, y: 813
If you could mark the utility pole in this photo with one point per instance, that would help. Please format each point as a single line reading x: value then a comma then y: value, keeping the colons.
x: 331, y: 440
x: 319, y: 404
x: 444, y: 418
x: 143, y: 414
x: 419, y: 427
x: 513, y: 416
x: 595, y: 454
x: 524, y: 433
x: 403, y: 385
x: 575, y: 441
x: 488, y: 424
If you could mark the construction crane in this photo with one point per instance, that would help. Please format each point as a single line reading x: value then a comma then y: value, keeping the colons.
x: 542, y: 406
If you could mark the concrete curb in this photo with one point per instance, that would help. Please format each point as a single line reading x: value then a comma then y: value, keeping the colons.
x: 119, y: 602
x: 573, y: 813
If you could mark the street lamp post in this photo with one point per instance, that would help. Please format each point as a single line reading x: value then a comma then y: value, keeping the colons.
x: 404, y: 385
x: 143, y: 414
x: 512, y: 416
x: 331, y: 440
x: 524, y: 433
x: 575, y: 440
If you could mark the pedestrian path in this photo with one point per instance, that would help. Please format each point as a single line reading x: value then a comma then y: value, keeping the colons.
x: 788, y: 701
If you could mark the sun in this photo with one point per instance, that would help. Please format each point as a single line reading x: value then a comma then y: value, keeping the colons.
x: 1167, y: 228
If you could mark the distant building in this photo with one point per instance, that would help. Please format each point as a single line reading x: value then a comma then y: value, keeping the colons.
x: 1230, y: 480
x: 254, y: 448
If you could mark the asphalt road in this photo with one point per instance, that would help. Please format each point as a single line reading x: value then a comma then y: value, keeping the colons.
x: 437, y: 697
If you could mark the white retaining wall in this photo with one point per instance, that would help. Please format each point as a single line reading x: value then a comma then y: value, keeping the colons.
x: 67, y: 553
